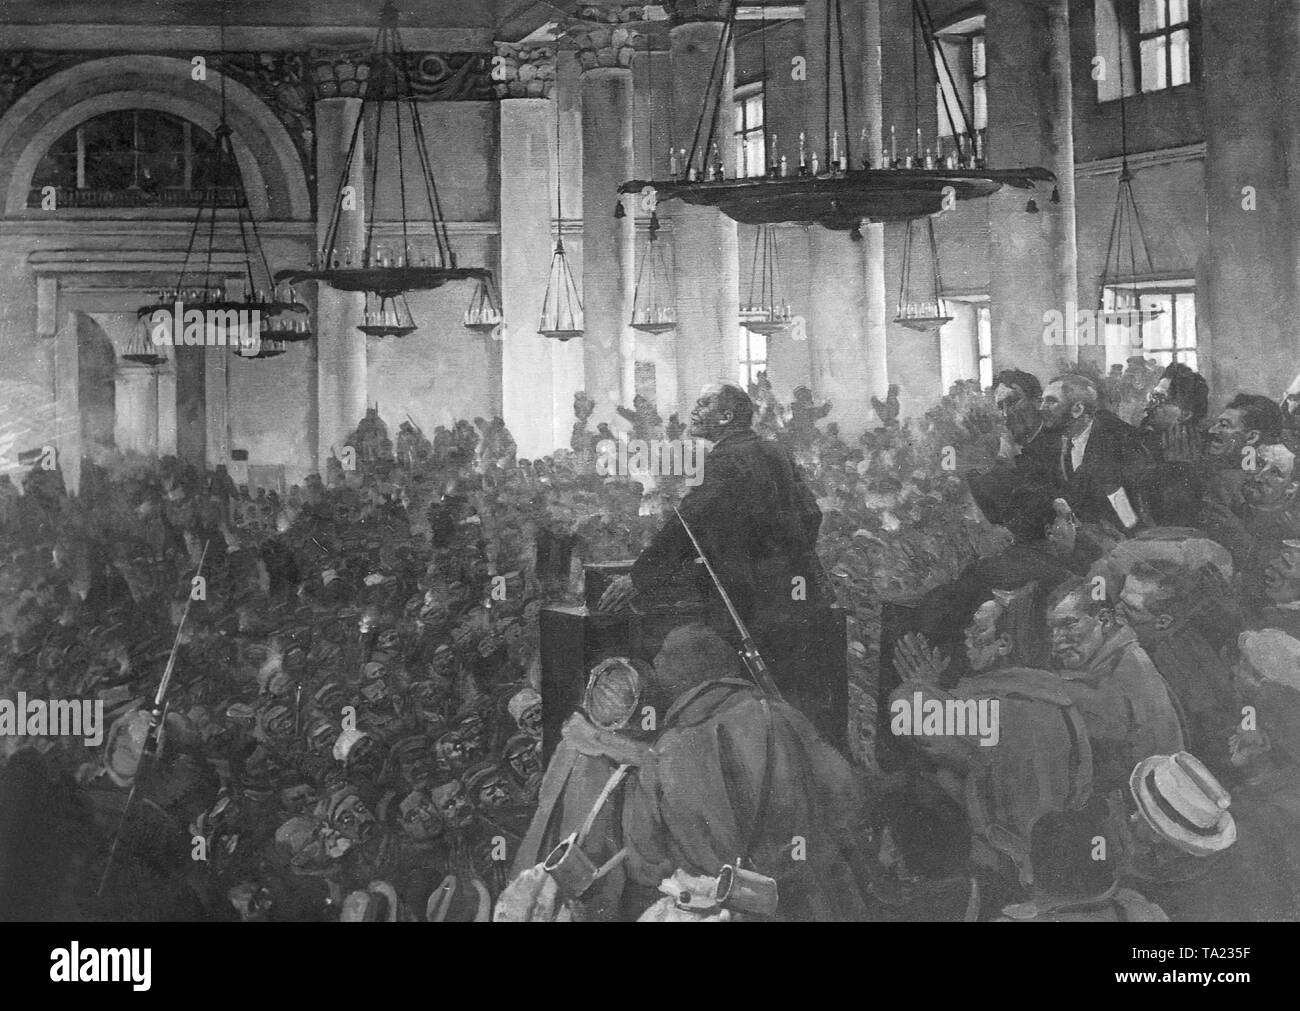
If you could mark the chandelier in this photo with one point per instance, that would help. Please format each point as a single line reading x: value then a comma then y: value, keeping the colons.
x: 765, y: 311
x: 1121, y: 296
x: 273, y: 308
x: 653, y: 308
x: 921, y: 307
x: 386, y: 274
x: 835, y: 188
x: 562, y: 313
x: 484, y: 312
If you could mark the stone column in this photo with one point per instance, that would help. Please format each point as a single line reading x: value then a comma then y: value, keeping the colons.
x: 846, y: 321
x: 1246, y: 311
x: 608, y: 242
x: 1033, y: 263
x: 527, y: 195
x: 340, y: 347
x: 166, y: 410
x: 706, y: 271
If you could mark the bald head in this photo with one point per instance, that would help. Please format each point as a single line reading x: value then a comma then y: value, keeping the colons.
x: 691, y: 655
x: 722, y: 408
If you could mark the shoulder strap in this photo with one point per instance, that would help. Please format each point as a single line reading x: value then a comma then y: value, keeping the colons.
x: 610, y: 786
x: 760, y: 814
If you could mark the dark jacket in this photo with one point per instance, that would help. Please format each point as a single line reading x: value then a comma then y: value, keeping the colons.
x: 1113, y: 459
x: 756, y: 521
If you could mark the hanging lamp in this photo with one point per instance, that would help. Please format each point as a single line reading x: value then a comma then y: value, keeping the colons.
x: 201, y: 287
x: 1122, y: 306
x: 382, y: 269
x: 484, y: 312
x: 387, y: 316
x: 653, y: 306
x: 654, y: 309
x: 562, y: 314
x: 836, y: 189
x: 920, y: 308
x: 143, y: 351
x: 266, y: 348
x: 765, y: 311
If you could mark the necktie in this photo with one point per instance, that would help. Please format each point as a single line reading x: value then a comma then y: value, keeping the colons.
x: 1067, y: 457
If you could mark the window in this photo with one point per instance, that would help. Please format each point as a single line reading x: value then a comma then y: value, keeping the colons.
x: 966, y: 343
x: 1146, y: 45
x: 646, y: 382
x: 1165, y: 329
x: 131, y: 158
x: 751, y: 149
x: 962, y: 90
x: 984, y: 344
x: 753, y: 356
x: 1165, y: 43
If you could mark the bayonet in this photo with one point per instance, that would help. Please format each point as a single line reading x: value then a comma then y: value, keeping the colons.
x: 749, y: 653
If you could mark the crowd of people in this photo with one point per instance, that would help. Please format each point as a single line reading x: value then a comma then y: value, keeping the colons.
x: 353, y: 728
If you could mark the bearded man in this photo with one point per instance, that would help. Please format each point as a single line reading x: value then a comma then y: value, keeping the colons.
x: 757, y: 523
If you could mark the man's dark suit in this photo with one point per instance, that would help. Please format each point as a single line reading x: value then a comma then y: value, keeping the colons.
x: 757, y: 522
x: 1113, y: 458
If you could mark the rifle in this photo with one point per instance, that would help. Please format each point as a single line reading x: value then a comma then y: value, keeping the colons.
x: 149, y: 750
x: 754, y: 662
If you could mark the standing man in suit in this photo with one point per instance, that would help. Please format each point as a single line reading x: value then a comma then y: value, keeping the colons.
x: 1097, y: 456
x: 757, y: 522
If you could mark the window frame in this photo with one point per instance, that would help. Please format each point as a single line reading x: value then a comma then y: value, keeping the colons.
x: 962, y: 31
x: 197, y: 146
x: 1172, y: 287
x: 742, y: 96
x: 748, y: 366
x: 1166, y: 33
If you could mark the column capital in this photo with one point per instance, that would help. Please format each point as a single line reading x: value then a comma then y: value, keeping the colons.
x: 524, y: 70
x: 605, y: 36
x: 685, y: 12
x: 340, y: 73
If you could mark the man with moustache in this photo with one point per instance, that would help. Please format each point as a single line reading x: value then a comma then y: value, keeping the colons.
x: 1126, y: 704
x: 1095, y: 459
x: 1164, y: 603
x: 1282, y: 588
x: 1176, y: 409
x: 1250, y: 420
x: 1042, y: 761
x: 757, y: 522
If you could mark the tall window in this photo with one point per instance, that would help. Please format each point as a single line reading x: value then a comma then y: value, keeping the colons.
x: 966, y: 343
x: 753, y: 356
x: 1165, y: 43
x: 1168, y: 336
x: 1146, y: 45
x: 129, y: 158
x: 751, y: 151
x: 963, y: 84
x: 984, y: 344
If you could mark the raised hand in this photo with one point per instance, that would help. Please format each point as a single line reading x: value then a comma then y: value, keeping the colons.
x: 916, y: 660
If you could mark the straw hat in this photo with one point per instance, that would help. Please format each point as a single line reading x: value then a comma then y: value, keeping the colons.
x: 1182, y: 801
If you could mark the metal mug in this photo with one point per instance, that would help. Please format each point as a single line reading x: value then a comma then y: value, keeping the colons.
x: 744, y: 891
x: 571, y: 868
